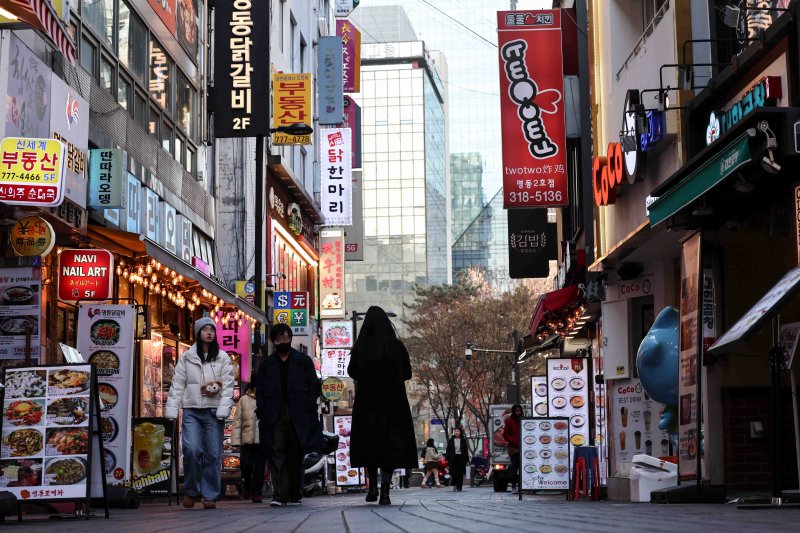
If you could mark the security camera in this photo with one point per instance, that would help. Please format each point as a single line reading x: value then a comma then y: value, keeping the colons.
x: 769, y: 164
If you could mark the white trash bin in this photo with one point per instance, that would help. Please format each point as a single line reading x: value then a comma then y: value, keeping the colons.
x: 649, y: 474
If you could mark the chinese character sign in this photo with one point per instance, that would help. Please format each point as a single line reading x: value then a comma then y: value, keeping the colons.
x: 241, y: 79
x: 291, y: 308
x: 106, y: 174
x: 532, y: 109
x: 32, y: 236
x: 233, y: 335
x: 337, y: 176
x: 329, y: 80
x: 291, y: 104
x: 335, y: 361
x: 32, y: 171
x: 331, y: 276
x: 351, y: 55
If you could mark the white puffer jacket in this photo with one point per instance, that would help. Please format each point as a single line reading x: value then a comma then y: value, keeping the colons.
x: 190, y: 375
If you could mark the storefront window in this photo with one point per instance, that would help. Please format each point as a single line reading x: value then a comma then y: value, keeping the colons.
x: 160, y: 82
x: 106, y: 75
x: 132, y: 41
x: 292, y: 264
x: 152, y: 124
x: 166, y: 137
x: 185, y: 104
x: 99, y: 14
x: 88, y: 56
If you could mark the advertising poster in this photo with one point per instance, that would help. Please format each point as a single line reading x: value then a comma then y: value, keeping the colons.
x: 27, y: 94
x: 150, y: 376
x: 634, y: 422
x: 568, y: 395
x: 153, y: 466
x: 188, y: 24
x: 539, y: 395
x: 45, y: 436
x: 532, y: 109
x: 291, y: 308
x: 105, y: 338
x: 165, y: 9
x: 336, y: 157
x: 32, y: 171
x: 291, y: 100
x: 331, y: 277
x: 335, y: 362
x: 545, y: 453
x: 85, y: 274
x: 337, y: 334
x: 346, y: 475
x: 498, y: 414
x: 20, y: 312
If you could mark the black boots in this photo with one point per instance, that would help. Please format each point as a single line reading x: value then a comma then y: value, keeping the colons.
x: 372, y: 493
x: 385, y: 494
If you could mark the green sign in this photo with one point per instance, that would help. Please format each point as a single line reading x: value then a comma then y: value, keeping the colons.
x: 106, y: 172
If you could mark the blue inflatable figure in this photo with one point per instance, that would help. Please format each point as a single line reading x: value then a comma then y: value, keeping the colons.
x: 657, y: 362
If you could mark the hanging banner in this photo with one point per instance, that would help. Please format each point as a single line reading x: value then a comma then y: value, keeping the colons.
x: 241, y: 69
x: 32, y: 171
x: 153, y: 462
x: 291, y: 308
x: 337, y: 176
x: 233, y: 335
x: 69, y: 123
x: 108, y: 179
x: 352, y: 120
x: 291, y: 101
x: 337, y: 334
x: 105, y: 339
x: 329, y: 80
x: 354, y: 236
x: 20, y: 313
x: 532, y: 243
x: 532, y: 109
x: 331, y: 277
x: 351, y: 55
x: 85, y: 274
x: 688, y: 439
x: 32, y: 236
x: 334, y: 362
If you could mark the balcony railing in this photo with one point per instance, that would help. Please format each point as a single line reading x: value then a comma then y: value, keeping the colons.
x: 645, y: 35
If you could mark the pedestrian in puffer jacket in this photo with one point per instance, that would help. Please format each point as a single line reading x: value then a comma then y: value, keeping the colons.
x: 203, y: 386
x: 245, y: 435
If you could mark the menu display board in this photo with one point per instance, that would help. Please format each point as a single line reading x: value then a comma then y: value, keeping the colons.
x: 152, y: 457
x: 45, y: 451
x: 539, y: 395
x: 634, y: 420
x: 231, y: 458
x: 20, y: 312
x: 568, y: 394
x: 346, y: 475
x: 545, y: 453
x: 105, y: 338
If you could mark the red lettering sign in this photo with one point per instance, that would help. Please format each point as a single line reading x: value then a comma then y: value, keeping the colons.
x: 85, y: 274
x: 608, y: 173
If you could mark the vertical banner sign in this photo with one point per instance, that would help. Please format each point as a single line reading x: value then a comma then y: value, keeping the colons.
x: 352, y: 120
x: 329, y: 80
x: 69, y: 123
x: 532, y: 109
x: 331, y: 278
x: 291, y: 104
x: 797, y: 220
x: 688, y: 439
x: 241, y: 72
x: 291, y: 308
x: 346, y: 475
x: 107, y: 177
x: 351, y: 55
x: 20, y: 312
x: 354, y: 237
x: 234, y: 339
x: 105, y: 337
x: 531, y: 243
x: 335, y: 362
x: 337, y: 177
x: 85, y: 274
x: 32, y: 171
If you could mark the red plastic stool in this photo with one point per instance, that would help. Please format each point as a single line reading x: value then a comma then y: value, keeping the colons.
x: 579, y: 474
x: 595, y: 479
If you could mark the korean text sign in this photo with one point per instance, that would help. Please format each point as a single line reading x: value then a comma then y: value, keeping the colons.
x: 85, y: 273
x: 331, y: 278
x: 106, y: 175
x: 329, y: 80
x: 291, y: 104
x: 337, y: 176
x: 32, y: 171
x: 241, y: 79
x: 233, y: 334
x: 291, y: 308
x: 351, y: 55
x: 335, y: 362
x: 532, y: 109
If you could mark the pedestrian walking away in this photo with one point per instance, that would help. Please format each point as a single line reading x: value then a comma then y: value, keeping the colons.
x: 430, y: 458
x: 287, y: 390
x: 203, y: 386
x: 511, y: 432
x: 456, y: 455
x: 245, y: 435
x: 383, y: 431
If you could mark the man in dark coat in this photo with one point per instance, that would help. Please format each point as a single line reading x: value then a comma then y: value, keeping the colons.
x: 383, y: 431
x: 287, y: 389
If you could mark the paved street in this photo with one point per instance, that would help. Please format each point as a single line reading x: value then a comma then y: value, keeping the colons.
x: 417, y: 510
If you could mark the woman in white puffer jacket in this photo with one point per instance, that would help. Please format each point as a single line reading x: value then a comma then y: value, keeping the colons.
x: 203, y: 386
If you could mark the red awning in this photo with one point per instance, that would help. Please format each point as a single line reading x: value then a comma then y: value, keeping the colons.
x: 42, y: 15
x: 552, y: 303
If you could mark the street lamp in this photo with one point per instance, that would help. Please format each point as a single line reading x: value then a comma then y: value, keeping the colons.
x: 517, y: 352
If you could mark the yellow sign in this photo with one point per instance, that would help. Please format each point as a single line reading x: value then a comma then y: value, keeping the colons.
x: 32, y: 236
x: 291, y: 104
x: 282, y: 316
x: 333, y: 389
x: 32, y: 171
x: 58, y: 5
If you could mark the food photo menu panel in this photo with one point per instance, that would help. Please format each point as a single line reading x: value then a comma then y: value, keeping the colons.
x: 45, y: 432
x: 568, y: 394
x: 346, y: 475
x: 545, y: 453
x: 539, y: 395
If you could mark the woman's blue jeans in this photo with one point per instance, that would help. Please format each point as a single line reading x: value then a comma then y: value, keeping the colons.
x: 202, y: 453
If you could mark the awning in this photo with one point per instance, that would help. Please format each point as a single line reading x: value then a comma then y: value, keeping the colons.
x: 724, y: 163
x: 42, y: 15
x: 556, y: 311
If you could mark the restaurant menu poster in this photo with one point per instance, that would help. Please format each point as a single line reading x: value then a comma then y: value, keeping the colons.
x: 346, y: 475
x: 539, y: 395
x: 545, y: 453
x: 568, y: 394
x: 231, y: 458
x: 20, y: 312
x: 105, y: 339
x: 45, y: 432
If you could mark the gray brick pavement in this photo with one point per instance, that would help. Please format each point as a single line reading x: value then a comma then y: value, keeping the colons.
x: 474, y: 510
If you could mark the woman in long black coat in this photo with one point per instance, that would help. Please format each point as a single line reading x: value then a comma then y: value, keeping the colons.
x: 383, y: 432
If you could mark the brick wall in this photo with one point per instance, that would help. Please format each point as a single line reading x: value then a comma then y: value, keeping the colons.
x: 748, y: 462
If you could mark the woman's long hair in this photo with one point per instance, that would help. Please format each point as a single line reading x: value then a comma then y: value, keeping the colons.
x: 213, y: 349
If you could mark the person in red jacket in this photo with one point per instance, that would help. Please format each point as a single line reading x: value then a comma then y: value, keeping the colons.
x: 511, y: 433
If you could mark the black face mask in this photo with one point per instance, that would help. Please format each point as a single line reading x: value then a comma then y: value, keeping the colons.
x: 285, y: 347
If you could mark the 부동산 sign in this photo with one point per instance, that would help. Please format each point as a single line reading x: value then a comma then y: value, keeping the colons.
x: 32, y: 171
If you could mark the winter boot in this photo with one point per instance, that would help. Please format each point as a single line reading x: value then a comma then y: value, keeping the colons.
x: 385, y: 494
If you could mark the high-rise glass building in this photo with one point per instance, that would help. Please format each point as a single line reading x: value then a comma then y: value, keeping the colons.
x: 404, y: 153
